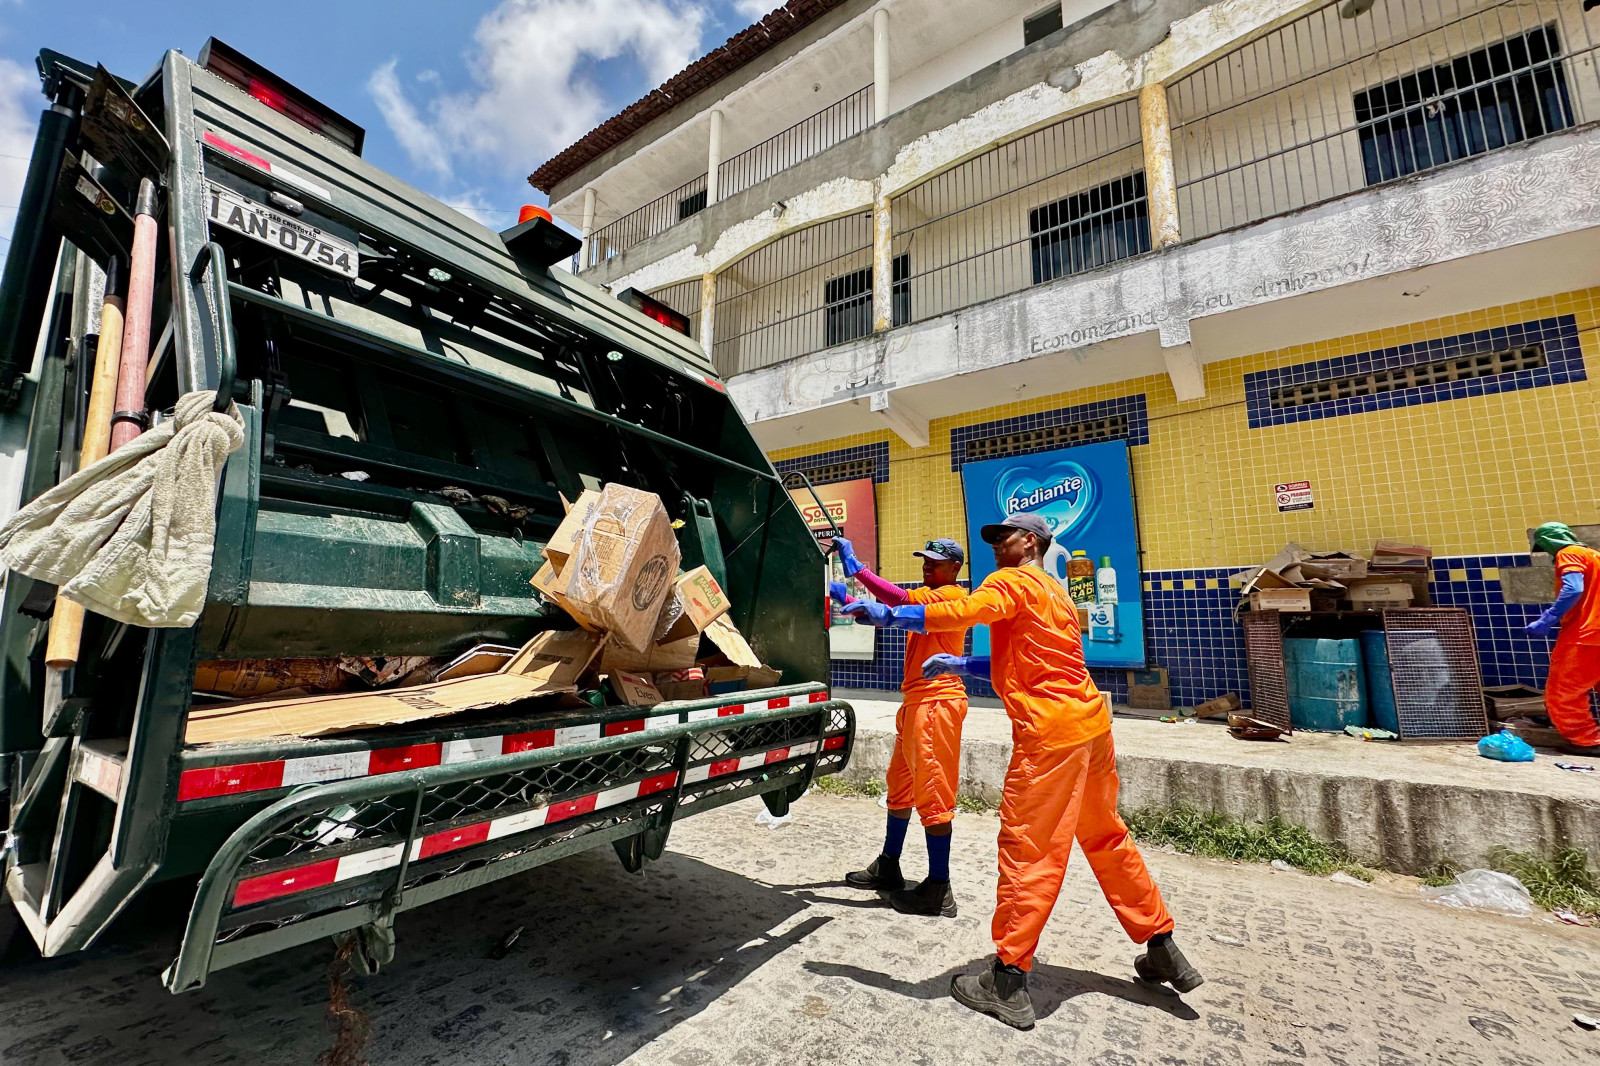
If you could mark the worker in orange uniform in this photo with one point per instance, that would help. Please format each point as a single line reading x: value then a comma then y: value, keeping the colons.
x: 925, y: 764
x: 1575, y: 659
x: 1062, y: 781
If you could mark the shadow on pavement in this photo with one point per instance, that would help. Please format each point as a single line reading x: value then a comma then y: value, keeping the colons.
x: 606, y: 962
x: 1051, y: 986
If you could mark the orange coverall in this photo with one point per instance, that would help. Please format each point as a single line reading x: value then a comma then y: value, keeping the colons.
x: 925, y: 765
x: 1575, y: 659
x: 1062, y: 781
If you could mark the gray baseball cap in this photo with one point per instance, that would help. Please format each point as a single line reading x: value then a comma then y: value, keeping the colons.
x: 1026, y: 521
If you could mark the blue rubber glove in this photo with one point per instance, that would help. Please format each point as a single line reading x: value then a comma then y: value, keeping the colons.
x: 960, y: 665
x: 840, y: 594
x: 1571, y: 592
x: 909, y: 617
x: 847, y: 556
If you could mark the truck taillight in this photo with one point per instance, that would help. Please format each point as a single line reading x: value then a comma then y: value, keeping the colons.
x: 655, y: 309
x: 234, y: 67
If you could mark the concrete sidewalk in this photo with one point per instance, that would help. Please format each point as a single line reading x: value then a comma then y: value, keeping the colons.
x: 1403, y: 806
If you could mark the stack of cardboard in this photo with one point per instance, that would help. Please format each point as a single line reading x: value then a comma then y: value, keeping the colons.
x: 1297, y: 580
x: 609, y: 565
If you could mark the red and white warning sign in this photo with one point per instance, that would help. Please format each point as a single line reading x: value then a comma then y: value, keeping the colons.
x: 1294, y: 496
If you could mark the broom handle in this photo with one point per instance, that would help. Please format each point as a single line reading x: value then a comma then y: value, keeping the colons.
x: 66, y: 623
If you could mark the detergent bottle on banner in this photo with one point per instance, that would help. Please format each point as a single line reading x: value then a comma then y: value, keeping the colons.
x: 1103, y: 612
x: 1080, y: 579
x: 1105, y: 582
x: 1055, y: 563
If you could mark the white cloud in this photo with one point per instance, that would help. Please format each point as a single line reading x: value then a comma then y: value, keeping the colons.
x: 754, y: 10
x: 20, y: 104
x: 530, y: 100
x: 476, y: 206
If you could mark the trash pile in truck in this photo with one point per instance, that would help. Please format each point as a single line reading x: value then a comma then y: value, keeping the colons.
x: 612, y: 566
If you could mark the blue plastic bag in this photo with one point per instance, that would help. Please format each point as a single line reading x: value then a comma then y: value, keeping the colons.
x: 1506, y: 747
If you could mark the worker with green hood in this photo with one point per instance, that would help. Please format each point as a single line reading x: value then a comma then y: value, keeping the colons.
x: 1575, y: 659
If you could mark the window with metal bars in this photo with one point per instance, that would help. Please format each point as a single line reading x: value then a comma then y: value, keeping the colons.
x: 1393, y: 379
x: 847, y: 301
x: 691, y: 205
x: 1038, y: 26
x: 1026, y: 442
x: 848, y: 470
x: 1090, y: 229
x: 1474, y: 103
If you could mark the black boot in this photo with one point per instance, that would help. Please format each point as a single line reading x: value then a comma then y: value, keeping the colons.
x: 883, y: 874
x: 1164, y: 963
x: 1001, y: 991
x: 931, y: 898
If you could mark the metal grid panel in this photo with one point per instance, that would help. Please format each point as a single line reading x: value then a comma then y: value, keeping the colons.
x: 773, y: 305
x: 1433, y: 661
x: 1327, y: 104
x: 1441, y: 371
x: 640, y: 225
x: 1061, y: 200
x: 806, y: 138
x: 684, y: 298
x: 1269, y: 687
x: 1024, y: 442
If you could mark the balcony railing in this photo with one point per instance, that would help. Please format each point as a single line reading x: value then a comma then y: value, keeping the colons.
x: 808, y: 137
x: 802, y: 292
x: 1330, y: 104
x: 1062, y: 200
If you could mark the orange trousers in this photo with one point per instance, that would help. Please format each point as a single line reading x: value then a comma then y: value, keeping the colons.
x: 1053, y: 796
x: 926, y: 763
x: 1574, y: 671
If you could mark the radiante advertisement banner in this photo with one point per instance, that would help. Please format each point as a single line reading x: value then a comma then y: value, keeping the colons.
x: 1086, y: 495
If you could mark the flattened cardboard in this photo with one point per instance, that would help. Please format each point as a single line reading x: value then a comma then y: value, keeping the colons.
x: 636, y: 690
x: 679, y: 655
x: 548, y: 664
x: 563, y: 542
x: 479, y: 659
x: 726, y: 636
x: 621, y: 568
x: 261, y: 677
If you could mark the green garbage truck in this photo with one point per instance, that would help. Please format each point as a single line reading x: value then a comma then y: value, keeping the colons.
x: 419, y: 395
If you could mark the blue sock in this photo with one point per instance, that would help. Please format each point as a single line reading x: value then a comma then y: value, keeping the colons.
x: 939, y: 857
x: 895, y: 839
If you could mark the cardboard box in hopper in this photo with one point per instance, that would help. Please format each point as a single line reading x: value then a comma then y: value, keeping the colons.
x: 549, y: 582
x: 564, y: 541
x: 636, y: 690
x: 658, y: 658
x: 622, y: 564
x: 548, y: 664
x: 702, y: 602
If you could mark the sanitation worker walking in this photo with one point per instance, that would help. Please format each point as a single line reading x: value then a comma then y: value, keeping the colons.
x: 925, y: 764
x: 1575, y: 659
x: 1062, y: 781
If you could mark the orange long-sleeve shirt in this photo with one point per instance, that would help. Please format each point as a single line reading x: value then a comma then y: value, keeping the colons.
x: 919, y: 646
x: 1036, y: 656
x: 1582, y: 622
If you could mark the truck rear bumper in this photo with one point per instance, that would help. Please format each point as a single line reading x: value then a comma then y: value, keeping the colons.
x: 326, y: 859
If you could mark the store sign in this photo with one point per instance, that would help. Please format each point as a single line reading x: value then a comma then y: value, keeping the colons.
x: 852, y: 506
x: 1086, y: 496
x: 1294, y: 496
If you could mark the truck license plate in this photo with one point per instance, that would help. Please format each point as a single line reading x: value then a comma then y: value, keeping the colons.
x: 231, y: 211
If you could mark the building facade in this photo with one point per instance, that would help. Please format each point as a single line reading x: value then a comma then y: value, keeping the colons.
x: 1349, y: 244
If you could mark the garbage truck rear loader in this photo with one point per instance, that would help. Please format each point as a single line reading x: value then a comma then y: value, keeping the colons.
x: 419, y: 395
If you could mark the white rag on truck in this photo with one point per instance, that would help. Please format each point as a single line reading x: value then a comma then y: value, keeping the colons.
x: 130, y: 537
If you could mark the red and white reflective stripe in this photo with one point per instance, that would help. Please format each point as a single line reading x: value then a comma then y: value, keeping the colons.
x: 325, y: 872
x: 723, y: 767
x: 246, y: 156
x: 259, y: 776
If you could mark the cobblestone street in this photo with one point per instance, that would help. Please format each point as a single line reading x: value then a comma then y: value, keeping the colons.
x: 738, y: 948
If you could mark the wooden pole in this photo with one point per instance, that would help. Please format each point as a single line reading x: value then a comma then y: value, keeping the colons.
x: 128, y: 420
x: 66, y: 623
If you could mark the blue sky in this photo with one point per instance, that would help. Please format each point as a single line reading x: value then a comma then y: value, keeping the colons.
x: 462, y: 99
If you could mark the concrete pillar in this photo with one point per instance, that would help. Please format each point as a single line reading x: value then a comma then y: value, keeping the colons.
x: 708, y: 314
x: 882, y: 266
x: 588, y: 227
x: 713, y: 156
x: 880, y: 64
x: 1161, y: 186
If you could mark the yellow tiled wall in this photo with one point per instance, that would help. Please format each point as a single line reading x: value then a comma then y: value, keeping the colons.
x: 1464, y: 476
